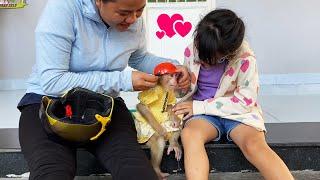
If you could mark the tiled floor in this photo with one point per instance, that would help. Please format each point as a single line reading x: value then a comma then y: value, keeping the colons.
x: 277, y: 107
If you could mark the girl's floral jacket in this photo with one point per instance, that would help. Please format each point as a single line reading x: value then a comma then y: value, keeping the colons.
x: 236, y: 97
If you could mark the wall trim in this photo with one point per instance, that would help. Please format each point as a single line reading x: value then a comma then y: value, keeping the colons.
x: 12, y: 84
x: 290, y: 79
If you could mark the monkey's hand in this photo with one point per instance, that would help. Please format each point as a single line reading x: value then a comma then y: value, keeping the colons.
x: 163, y: 132
x: 176, y: 121
x: 176, y: 124
x: 177, y: 149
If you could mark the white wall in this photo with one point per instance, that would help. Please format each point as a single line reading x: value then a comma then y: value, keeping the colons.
x: 285, y: 34
x: 17, y: 53
x: 173, y: 47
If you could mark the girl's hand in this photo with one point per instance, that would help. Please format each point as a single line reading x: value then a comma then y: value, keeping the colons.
x: 184, y: 81
x: 184, y: 108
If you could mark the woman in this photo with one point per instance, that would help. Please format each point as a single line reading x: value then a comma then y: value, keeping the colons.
x: 88, y: 44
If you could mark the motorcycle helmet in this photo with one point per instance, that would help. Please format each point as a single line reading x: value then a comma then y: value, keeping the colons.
x: 80, y: 115
x: 164, y: 68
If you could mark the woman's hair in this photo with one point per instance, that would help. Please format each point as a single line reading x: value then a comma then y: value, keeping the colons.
x: 219, y: 32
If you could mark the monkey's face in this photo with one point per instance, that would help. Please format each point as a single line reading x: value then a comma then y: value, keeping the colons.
x: 169, y: 81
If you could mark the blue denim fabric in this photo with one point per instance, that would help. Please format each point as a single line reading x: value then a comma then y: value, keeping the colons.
x: 223, y: 126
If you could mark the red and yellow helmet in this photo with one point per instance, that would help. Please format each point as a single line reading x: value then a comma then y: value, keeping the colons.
x: 164, y: 68
x: 79, y: 116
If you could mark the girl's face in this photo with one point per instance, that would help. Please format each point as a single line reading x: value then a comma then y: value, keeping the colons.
x: 220, y: 59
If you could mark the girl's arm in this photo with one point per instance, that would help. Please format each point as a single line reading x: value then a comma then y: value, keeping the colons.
x: 244, y: 97
x: 186, y: 63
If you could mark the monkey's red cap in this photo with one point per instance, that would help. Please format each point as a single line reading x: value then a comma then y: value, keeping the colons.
x: 164, y: 68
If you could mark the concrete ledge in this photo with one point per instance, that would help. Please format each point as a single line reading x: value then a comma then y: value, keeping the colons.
x: 298, y: 144
x: 298, y: 175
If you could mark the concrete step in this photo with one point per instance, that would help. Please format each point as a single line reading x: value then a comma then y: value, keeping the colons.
x: 298, y: 175
x: 298, y: 144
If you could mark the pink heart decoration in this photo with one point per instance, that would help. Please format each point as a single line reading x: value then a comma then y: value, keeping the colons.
x: 187, y: 52
x: 160, y: 34
x: 165, y: 23
x: 245, y: 65
x: 230, y: 72
x: 183, y: 28
x: 235, y: 99
x: 248, y: 101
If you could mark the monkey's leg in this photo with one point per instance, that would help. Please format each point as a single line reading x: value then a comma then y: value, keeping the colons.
x: 157, y: 144
x: 174, y: 145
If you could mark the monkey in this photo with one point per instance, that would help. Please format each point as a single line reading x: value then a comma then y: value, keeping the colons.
x: 155, y: 122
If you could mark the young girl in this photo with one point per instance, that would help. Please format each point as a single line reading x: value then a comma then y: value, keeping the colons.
x: 223, y: 98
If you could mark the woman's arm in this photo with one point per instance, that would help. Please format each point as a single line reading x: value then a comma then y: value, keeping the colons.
x: 55, y: 35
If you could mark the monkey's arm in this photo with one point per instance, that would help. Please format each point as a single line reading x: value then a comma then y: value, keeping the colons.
x: 146, y: 113
x: 173, y: 139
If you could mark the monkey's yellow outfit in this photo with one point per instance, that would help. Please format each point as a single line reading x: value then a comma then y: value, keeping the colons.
x: 157, y: 99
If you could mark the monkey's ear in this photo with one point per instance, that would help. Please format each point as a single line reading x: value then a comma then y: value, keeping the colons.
x: 178, y: 75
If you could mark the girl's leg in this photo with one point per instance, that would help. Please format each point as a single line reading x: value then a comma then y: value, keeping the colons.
x: 194, y: 135
x: 255, y: 148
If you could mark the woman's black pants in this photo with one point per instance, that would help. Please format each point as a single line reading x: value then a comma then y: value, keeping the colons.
x: 117, y: 149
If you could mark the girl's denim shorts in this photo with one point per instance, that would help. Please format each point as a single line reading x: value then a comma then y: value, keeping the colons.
x: 223, y: 126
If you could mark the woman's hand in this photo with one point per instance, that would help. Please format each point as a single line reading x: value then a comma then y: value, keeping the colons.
x: 142, y: 81
x: 185, y: 108
x: 184, y: 78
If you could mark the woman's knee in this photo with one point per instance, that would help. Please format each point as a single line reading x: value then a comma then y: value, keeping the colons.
x: 129, y: 164
x: 51, y: 171
x: 50, y: 160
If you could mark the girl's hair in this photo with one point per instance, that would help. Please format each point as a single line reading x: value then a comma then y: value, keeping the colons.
x: 219, y: 32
